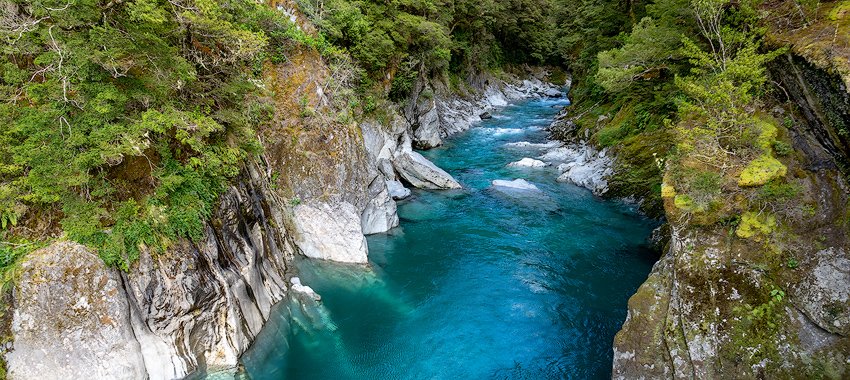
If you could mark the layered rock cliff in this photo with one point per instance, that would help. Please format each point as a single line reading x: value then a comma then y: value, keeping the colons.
x: 194, y: 309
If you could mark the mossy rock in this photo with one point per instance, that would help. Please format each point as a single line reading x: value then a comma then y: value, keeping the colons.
x: 755, y: 224
x: 667, y: 191
x: 684, y: 202
x: 762, y: 170
x: 768, y: 135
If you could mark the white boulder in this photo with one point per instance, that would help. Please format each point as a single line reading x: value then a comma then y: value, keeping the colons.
x: 397, y: 190
x: 71, y: 319
x: 330, y: 232
x: 528, y: 163
x: 589, y: 170
x: 420, y: 172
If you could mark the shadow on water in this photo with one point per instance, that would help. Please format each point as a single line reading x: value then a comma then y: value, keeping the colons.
x: 476, y: 283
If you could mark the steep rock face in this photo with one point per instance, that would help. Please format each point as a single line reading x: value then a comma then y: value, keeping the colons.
x: 88, y: 334
x: 320, y: 162
x: 199, y: 306
x: 331, y: 232
x: 380, y: 214
x: 774, y: 305
x: 691, y: 319
x: 190, y: 310
x: 389, y: 147
x: 317, y: 156
x: 323, y: 161
x: 824, y: 102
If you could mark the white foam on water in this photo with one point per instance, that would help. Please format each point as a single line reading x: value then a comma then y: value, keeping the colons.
x: 505, y: 131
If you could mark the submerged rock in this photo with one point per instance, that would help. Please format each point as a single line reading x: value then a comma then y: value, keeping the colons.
x: 517, y: 184
x: 330, y: 232
x: 304, y: 289
x: 485, y: 116
x: 528, y: 163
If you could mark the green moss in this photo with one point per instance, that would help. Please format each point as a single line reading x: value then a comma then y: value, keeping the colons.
x: 754, y: 332
x: 754, y: 225
x: 762, y: 170
x: 667, y: 191
x: 684, y: 202
x: 767, y: 135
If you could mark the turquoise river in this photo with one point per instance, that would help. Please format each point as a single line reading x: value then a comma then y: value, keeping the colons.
x: 475, y: 283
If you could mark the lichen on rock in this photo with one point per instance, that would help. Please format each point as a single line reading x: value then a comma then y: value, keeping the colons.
x: 87, y: 333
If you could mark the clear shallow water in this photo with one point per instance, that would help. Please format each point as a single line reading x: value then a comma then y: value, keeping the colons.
x: 476, y: 283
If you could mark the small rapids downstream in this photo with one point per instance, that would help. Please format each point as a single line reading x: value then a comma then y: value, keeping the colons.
x: 483, y: 282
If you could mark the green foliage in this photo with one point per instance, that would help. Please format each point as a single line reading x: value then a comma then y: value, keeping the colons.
x: 647, y: 50
x: 755, y: 338
x: 711, y: 50
x: 704, y: 185
x: 11, y: 252
x: 585, y: 28
x: 285, y: 33
x: 699, y: 190
x: 777, y: 191
x: 782, y: 148
x: 404, y: 81
x: 792, y: 263
x: 369, y: 104
x: 378, y: 33
x: 92, y: 85
x: 432, y: 37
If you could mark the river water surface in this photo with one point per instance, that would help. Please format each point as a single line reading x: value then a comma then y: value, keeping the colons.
x: 476, y: 283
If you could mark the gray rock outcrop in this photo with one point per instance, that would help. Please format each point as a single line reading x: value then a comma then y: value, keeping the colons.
x: 71, y: 319
x: 421, y: 173
x: 433, y: 116
x: 331, y: 232
x: 193, y: 309
x: 724, y: 305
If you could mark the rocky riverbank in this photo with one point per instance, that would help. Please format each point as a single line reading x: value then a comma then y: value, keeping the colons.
x: 765, y: 295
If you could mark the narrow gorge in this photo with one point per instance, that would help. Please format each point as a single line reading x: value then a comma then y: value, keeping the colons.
x: 360, y: 189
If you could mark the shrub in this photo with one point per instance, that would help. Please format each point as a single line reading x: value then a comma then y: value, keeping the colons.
x: 782, y: 148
